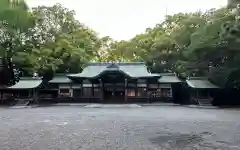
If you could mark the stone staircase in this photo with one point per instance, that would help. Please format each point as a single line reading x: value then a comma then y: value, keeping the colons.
x: 205, y: 102
x: 22, y: 103
x: 112, y: 106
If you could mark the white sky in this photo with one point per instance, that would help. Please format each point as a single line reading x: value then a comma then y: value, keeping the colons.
x: 123, y: 19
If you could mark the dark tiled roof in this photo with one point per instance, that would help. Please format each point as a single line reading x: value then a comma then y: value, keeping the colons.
x: 60, y: 79
x: 117, y: 63
x: 30, y: 78
x: 134, y: 70
x: 169, y: 78
x: 27, y: 83
x: 200, y: 83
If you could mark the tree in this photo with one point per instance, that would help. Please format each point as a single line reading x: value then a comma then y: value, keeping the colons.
x: 50, y: 39
x: 15, y: 20
x: 56, y: 42
x: 191, y: 44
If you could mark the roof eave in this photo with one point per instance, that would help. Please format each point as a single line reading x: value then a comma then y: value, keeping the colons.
x: 24, y: 88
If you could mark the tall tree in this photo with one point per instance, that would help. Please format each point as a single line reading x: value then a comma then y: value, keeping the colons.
x: 56, y: 42
x: 15, y: 20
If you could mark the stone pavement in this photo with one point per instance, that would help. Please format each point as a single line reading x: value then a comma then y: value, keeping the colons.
x: 144, y: 128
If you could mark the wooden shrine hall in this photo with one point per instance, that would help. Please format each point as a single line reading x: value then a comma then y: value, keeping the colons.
x: 113, y: 83
x: 101, y: 83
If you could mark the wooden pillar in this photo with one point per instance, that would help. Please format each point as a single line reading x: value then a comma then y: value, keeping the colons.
x: 148, y: 96
x: 208, y: 94
x: 18, y: 95
x: 29, y: 94
x: 35, y: 97
x: 92, y: 90
x: 171, y: 91
x: 81, y: 94
x: 126, y: 90
x: 114, y: 89
x: 58, y: 96
x: 32, y: 95
x: 37, y: 91
x: 136, y: 89
x: 71, y: 91
x: 101, y: 90
x: 2, y: 97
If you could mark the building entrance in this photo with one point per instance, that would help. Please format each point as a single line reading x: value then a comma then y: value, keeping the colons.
x: 114, y: 94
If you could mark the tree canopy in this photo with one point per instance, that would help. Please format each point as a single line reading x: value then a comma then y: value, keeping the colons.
x: 50, y: 39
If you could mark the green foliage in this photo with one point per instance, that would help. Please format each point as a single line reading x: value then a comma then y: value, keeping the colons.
x: 15, y: 20
x: 50, y: 39
x: 191, y: 44
x: 56, y: 42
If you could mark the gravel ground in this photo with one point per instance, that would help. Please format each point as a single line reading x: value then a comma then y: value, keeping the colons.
x: 145, y: 128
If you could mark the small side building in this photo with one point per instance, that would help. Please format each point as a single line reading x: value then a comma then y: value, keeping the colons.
x: 170, y: 87
x: 202, y: 91
x: 166, y: 88
x: 26, y: 90
x: 65, y: 89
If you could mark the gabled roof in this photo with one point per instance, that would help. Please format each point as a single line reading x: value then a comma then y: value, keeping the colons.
x: 27, y: 83
x: 200, y: 83
x: 60, y: 78
x: 169, y: 78
x: 133, y: 70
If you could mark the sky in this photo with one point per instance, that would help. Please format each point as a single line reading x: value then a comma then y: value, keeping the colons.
x: 123, y: 19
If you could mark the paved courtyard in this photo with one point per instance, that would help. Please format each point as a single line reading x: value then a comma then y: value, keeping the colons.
x: 145, y: 128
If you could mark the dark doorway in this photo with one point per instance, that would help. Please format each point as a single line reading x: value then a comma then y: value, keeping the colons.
x: 114, y: 95
x: 113, y: 86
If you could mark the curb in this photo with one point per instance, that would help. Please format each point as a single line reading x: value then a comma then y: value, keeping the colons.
x: 189, y: 106
x: 109, y: 105
x: 201, y: 107
x: 116, y: 106
x: 160, y: 104
x: 68, y: 104
x: 113, y: 106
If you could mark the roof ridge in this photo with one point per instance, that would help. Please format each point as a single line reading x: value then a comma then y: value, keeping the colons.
x: 168, y: 74
x: 117, y: 63
x: 197, y: 78
x: 30, y: 78
x: 61, y: 74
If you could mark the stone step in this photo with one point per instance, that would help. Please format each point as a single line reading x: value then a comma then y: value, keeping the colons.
x: 205, y: 102
x: 113, y: 106
x: 22, y: 103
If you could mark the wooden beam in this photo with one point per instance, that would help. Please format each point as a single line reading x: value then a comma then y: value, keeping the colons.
x: 35, y: 97
x: 81, y: 94
x: 126, y: 90
x: 136, y: 89
x: 101, y: 90
x: 92, y: 90
x: 2, y: 97
x: 147, y: 88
